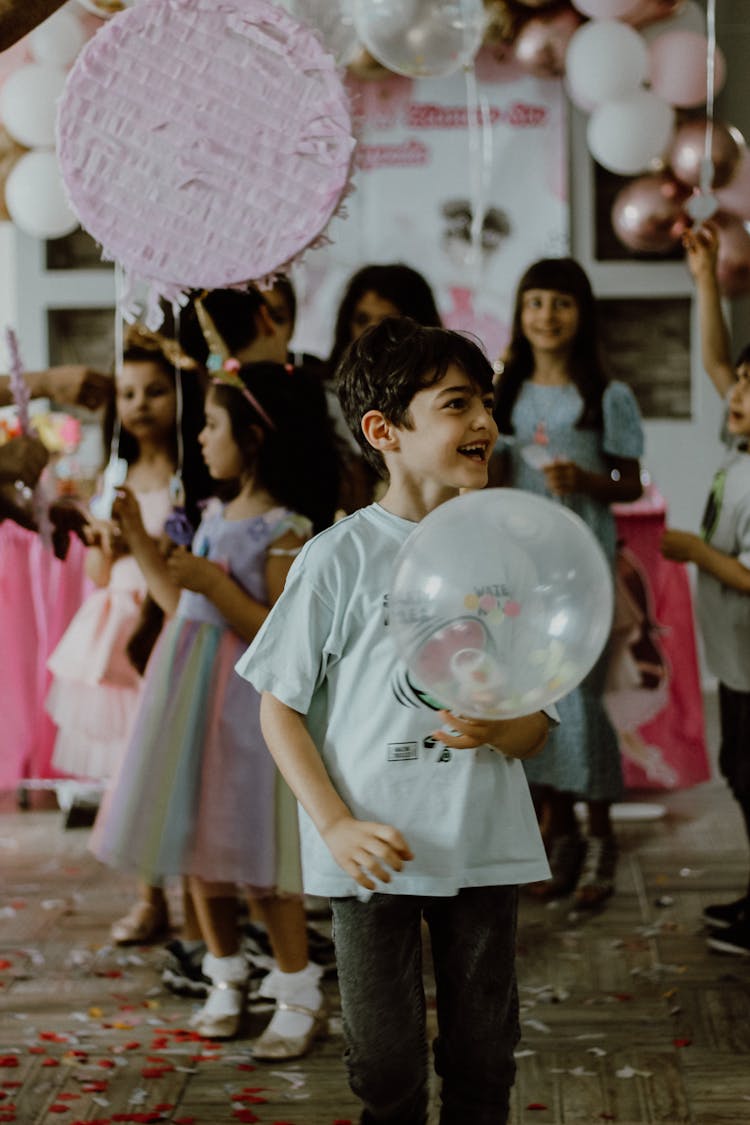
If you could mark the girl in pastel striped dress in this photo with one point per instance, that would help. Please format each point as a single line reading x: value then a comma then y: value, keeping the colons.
x: 198, y: 794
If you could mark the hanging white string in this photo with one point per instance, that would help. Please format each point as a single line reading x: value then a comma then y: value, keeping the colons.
x: 480, y: 165
x: 702, y: 205
x: 119, y: 318
x: 707, y: 165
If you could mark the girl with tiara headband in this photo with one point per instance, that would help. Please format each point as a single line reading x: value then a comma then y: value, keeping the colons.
x: 199, y: 794
x: 94, y: 693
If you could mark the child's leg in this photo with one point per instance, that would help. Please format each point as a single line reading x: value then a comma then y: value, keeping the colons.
x: 191, y: 928
x: 284, y: 918
x: 300, y: 1014
x: 224, y: 965
x: 379, y: 958
x: 734, y: 763
x: 473, y: 938
x: 564, y: 843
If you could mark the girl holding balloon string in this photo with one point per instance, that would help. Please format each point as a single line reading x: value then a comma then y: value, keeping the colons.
x: 199, y: 794
x: 568, y: 431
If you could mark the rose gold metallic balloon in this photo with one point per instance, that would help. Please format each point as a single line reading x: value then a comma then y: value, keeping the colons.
x: 686, y: 152
x: 647, y: 11
x: 541, y: 43
x: 537, y: 3
x: 733, y: 262
x: 646, y: 214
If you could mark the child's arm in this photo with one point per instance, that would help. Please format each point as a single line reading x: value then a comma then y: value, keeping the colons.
x: 684, y: 546
x: 702, y: 245
x: 361, y: 848
x: 145, y: 550
x: 621, y: 485
x: 244, y: 613
x: 516, y: 738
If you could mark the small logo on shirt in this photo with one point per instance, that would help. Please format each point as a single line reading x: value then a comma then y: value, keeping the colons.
x: 403, y: 751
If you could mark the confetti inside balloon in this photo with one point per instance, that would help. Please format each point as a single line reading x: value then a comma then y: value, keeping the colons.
x: 501, y: 602
x: 204, y: 144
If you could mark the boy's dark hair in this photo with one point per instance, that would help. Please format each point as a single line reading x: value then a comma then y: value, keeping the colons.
x: 142, y: 346
x: 564, y: 275
x: 403, y: 286
x: 391, y: 362
x: 295, y: 459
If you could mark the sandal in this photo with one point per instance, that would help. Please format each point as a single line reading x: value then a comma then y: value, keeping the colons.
x: 565, y: 859
x: 222, y: 1014
x: 271, y: 1045
x: 597, y: 881
x: 143, y: 923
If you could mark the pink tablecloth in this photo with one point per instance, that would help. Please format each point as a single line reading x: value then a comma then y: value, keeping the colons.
x: 38, y: 597
x: 669, y: 750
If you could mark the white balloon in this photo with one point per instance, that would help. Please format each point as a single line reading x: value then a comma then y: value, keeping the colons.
x: 421, y: 38
x: 35, y: 197
x: 28, y: 104
x: 605, y: 60
x: 500, y: 603
x: 334, y: 20
x: 58, y: 40
x: 626, y: 135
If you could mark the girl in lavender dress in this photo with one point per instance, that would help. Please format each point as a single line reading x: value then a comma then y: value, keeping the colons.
x: 569, y: 432
x: 199, y: 794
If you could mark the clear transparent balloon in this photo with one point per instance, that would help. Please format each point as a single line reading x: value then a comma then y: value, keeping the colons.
x: 501, y: 603
x: 421, y: 38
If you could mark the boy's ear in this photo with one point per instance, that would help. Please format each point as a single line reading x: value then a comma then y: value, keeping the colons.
x: 379, y: 432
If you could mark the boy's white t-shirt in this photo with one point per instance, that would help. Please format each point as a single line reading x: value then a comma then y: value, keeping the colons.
x: 324, y: 650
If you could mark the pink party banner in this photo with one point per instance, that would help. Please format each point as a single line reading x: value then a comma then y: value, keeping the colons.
x: 432, y: 154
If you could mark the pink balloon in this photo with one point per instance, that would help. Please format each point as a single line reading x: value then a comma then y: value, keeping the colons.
x: 606, y: 9
x: 647, y: 213
x: 733, y: 263
x: 679, y: 70
x: 686, y: 152
x: 647, y: 11
x: 541, y: 43
x: 735, y: 198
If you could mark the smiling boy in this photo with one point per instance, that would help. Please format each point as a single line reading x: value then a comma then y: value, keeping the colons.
x: 438, y: 823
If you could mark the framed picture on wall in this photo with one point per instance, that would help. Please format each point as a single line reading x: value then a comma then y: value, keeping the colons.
x: 82, y: 336
x: 646, y: 344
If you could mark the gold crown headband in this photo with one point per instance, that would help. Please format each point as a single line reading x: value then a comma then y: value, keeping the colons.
x: 224, y: 368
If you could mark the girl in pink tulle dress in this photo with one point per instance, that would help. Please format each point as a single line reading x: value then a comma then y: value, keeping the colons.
x: 95, y: 690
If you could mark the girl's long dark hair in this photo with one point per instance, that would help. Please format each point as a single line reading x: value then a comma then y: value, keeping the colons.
x: 295, y: 459
x: 142, y: 346
x: 397, y: 283
x: 586, y: 368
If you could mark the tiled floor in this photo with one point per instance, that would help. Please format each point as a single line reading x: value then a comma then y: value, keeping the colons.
x: 627, y: 1016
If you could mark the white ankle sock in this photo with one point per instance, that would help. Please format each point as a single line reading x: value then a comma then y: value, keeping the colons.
x: 294, y: 988
x: 227, y: 976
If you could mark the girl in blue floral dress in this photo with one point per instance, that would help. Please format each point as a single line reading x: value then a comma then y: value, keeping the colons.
x: 568, y: 432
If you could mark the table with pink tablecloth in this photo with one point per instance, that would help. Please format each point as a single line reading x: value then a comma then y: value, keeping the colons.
x: 670, y: 748
x: 38, y: 596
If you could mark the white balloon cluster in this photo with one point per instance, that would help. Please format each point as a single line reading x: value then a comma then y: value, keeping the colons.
x: 630, y: 86
x: 34, y: 193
